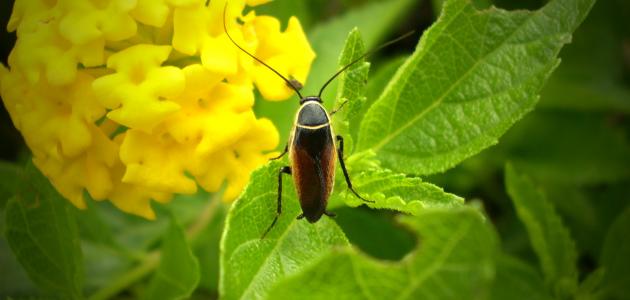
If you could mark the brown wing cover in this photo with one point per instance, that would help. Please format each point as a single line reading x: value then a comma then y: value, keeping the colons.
x: 313, y: 167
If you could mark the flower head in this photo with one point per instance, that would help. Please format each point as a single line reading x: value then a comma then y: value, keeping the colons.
x: 136, y: 100
x: 139, y: 93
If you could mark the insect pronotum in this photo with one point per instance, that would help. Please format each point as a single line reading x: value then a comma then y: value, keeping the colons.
x: 311, y: 146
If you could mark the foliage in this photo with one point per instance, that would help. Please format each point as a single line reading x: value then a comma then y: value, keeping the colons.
x: 549, y: 238
x: 542, y: 214
x: 43, y: 234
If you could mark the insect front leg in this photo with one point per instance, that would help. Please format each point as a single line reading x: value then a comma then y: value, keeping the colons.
x: 345, y: 172
x: 283, y: 170
x: 286, y: 149
x: 338, y: 109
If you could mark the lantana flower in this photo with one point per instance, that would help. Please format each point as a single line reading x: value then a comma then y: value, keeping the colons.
x: 134, y: 101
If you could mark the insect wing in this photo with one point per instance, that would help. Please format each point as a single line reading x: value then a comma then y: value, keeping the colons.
x: 313, y: 161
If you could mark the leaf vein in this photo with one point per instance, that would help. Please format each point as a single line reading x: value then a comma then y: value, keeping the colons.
x: 441, y: 98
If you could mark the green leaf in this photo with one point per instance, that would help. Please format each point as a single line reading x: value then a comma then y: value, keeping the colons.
x: 454, y: 260
x: 251, y: 265
x: 8, y: 182
x: 352, y: 82
x: 549, y: 237
x: 472, y: 76
x: 479, y: 4
x: 15, y: 280
x: 43, y: 235
x: 393, y: 191
x: 615, y: 259
x: 516, y: 280
x: 379, y: 80
x: 590, y: 284
x: 374, y: 20
x: 177, y: 275
x: 580, y: 215
x: 351, y: 89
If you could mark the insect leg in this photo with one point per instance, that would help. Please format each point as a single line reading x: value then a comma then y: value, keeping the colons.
x: 330, y: 214
x: 286, y: 149
x: 285, y: 170
x: 338, y: 108
x: 345, y: 172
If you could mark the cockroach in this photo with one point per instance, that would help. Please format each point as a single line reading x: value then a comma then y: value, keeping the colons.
x: 311, y: 146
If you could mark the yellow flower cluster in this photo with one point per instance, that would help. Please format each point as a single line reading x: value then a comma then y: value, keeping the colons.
x: 134, y: 100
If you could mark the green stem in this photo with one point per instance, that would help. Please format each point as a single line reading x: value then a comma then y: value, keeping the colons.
x: 152, y: 259
x: 148, y: 264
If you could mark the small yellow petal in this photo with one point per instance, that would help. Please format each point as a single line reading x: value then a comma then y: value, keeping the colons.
x: 142, y: 112
x: 133, y: 199
x: 175, y: 119
x: 151, y: 12
x: 199, y: 80
x: 85, y: 21
x: 219, y: 55
x: 287, y: 52
x: 139, y: 91
x: 63, y: 178
x: 189, y: 29
x: 257, y: 2
x: 156, y: 164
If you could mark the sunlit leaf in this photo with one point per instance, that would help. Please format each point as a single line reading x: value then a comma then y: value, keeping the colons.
x: 251, y: 265
x: 350, y: 90
x: 472, y: 76
x: 394, y: 191
x: 454, y: 260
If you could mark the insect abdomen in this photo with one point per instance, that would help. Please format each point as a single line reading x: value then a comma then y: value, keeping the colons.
x: 313, y: 163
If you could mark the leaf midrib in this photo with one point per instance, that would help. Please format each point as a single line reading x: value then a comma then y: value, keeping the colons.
x: 441, y: 98
x: 264, y: 262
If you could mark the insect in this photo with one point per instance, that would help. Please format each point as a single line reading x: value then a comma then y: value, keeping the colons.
x: 311, y: 146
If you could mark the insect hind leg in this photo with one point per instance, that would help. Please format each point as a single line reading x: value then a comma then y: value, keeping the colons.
x: 345, y: 172
x: 283, y: 170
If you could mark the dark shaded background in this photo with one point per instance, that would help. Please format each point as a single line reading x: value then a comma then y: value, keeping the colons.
x: 11, y: 144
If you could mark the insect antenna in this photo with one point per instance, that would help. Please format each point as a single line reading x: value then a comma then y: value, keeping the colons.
x: 289, y: 82
x: 398, y: 39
